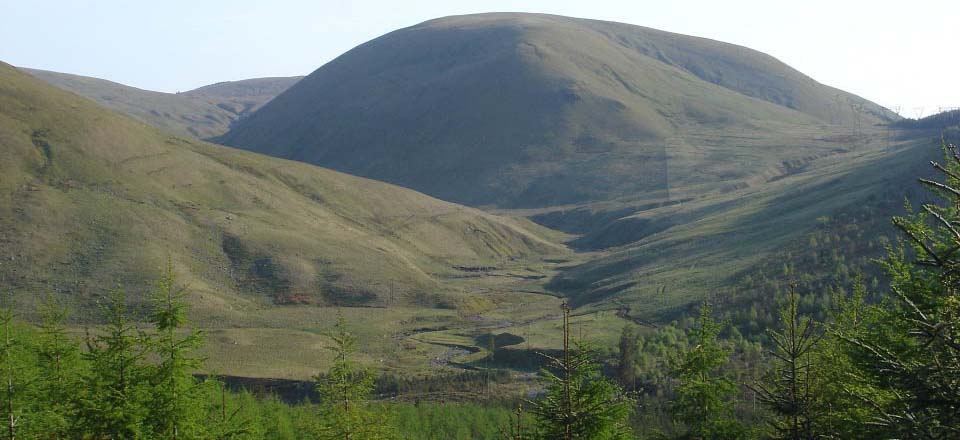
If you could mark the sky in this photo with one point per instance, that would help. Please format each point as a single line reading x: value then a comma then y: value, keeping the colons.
x: 900, y: 54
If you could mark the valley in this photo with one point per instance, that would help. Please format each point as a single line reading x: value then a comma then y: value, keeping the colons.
x: 446, y: 188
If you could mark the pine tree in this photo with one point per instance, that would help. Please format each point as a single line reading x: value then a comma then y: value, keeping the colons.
x: 627, y: 366
x: 343, y: 394
x: 58, y: 355
x: 579, y: 403
x: 175, y: 405
x: 705, y: 395
x: 793, y: 391
x: 846, y: 388
x: 228, y: 417
x: 113, y: 400
x: 912, y: 350
x: 17, y: 393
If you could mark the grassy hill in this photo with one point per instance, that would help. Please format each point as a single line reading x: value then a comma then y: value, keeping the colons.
x: 527, y: 110
x: 91, y: 198
x: 661, y: 259
x: 678, y: 167
x: 205, y: 112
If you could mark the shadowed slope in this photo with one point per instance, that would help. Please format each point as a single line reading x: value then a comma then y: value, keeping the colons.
x: 525, y: 110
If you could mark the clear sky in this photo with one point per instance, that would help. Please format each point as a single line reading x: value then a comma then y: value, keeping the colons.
x: 896, y: 53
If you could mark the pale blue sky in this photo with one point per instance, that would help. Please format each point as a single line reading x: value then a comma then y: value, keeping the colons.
x: 897, y: 53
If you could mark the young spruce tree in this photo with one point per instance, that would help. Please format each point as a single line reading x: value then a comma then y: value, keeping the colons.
x: 912, y: 350
x: 176, y: 397
x: 343, y: 394
x: 113, y: 403
x: 579, y: 402
x: 705, y: 395
x: 58, y: 355
x: 793, y: 390
x: 18, y: 397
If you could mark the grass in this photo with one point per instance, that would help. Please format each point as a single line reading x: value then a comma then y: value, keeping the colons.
x: 703, y: 243
x: 669, y: 178
x: 267, y: 248
x: 534, y: 111
x: 204, y: 112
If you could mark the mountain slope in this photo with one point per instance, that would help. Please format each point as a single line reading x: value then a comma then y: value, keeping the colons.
x: 662, y: 259
x: 526, y: 110
x: 205, y: 112
x: 89, y: 198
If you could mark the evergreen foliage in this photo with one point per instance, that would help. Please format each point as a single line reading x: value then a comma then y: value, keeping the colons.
x: 59, y: 369
x: 18, y: 397
x: 792, y: 391
x: 704, y: 404
x: 175, y: 398
x: 911, y: 350
x: 343, y: 392
x: 114, y: 401
x: 579, y: 403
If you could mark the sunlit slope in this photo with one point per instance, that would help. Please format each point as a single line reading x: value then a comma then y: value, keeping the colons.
x: 90, y: 198
x: 528, y: 110
x: 202, y: 113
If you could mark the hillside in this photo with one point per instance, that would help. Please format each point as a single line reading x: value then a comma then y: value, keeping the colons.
x: 92, y: 196
x: 527, y: 110
x: 664, y: 258
x: 202, y: 113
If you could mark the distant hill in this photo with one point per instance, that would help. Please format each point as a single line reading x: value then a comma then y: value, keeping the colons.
x: 90, y: 198
x: 940, y: 121
x: 529, y: 110
x: 202, y: 113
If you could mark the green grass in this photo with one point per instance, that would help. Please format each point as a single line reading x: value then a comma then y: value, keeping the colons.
x: 661, y: 260
x: 267, y: 248
x: 532, y: 111
x: 690, y: 181
x: 205, y: 112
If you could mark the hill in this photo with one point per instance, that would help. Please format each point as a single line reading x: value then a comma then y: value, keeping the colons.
x: 90, y: 198
x: 939, y: 121
x: 528, y: 110
x: 663, y: 258
x: 97, y: 194
x: 202, y: 113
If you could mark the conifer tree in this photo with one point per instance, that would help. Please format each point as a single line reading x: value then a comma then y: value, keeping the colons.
x: 579, y: 402
x: 113, y: 400
x: 793, y: 390
x: 343, y: 394
x: 705, y: 394
x: 58, y: 356
x: 17, y: 393
x: 912, y: 350
x: 846, y: 388
x: 175, y: 398
x: 228, y: 417
x: 627, y: 366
